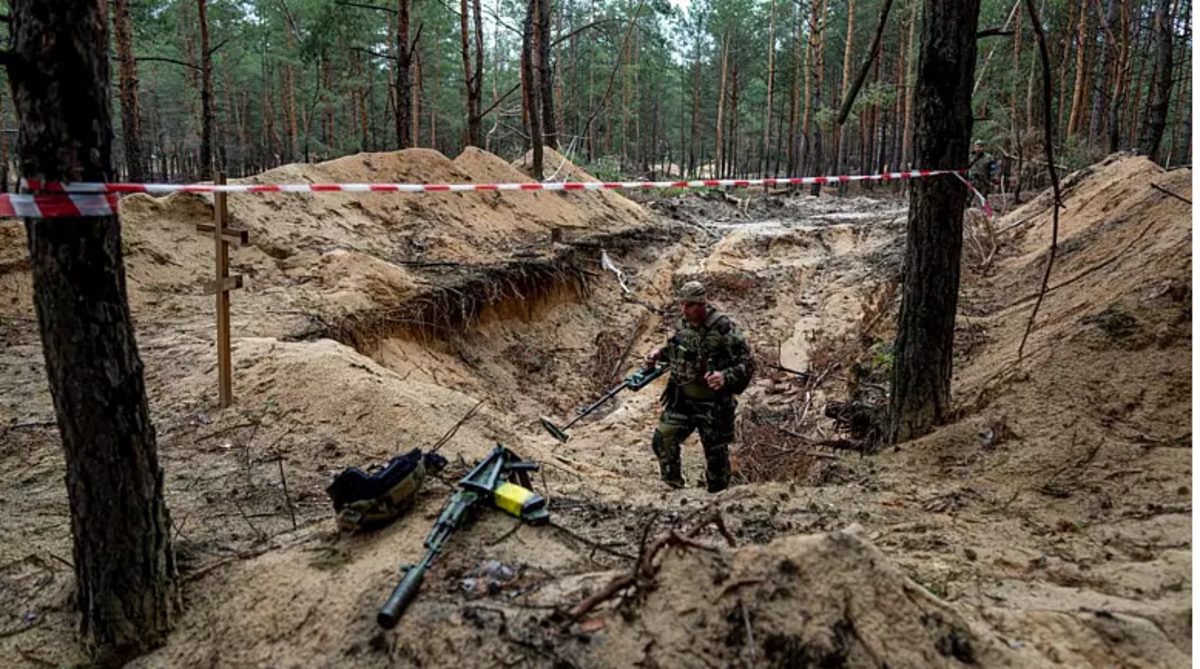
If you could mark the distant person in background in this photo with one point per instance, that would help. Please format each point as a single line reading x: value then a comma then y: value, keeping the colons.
x: 980, y: 171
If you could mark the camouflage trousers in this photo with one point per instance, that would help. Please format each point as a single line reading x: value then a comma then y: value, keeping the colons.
x: 984, y: 186
x: 714, y: 421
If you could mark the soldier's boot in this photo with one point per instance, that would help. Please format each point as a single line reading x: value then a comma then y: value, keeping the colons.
x: 717, y: 471
x: 716, y: 433
x: 667, y: 439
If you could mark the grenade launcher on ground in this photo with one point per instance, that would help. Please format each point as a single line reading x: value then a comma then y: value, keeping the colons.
x: 635, y: 382
x: 500, y: 480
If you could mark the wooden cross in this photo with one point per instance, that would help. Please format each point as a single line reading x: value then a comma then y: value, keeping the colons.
x: 223, y: 236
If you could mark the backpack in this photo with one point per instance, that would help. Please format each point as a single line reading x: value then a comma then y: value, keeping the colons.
x: 367, y: 501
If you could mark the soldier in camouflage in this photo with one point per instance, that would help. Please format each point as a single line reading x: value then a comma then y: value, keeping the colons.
x: 979, y: 172
x: 710, y: 362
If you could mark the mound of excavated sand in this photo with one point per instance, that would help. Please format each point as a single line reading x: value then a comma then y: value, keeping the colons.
x: 333, y: 254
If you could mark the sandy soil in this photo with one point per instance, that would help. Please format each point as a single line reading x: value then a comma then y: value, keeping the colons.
x: 1048, y: 525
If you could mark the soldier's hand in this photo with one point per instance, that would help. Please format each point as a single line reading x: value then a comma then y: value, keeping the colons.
x: 716, y: 380
x: 652, y: 357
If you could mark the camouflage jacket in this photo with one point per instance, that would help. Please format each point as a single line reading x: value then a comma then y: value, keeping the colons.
x: 716, y: 345
x: 981, y: 168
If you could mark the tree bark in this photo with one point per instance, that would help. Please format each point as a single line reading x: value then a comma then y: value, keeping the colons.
x: 124, y: 566
x: 1160, y: 95
x: 127, y: 74
x: 1102, y: 98
x: 206, y: 96
x: 840, y: 149
x: 770, y: 92
x: 909, y: 87
x: 471, y: 81
x: 532, y: 87
x: 404, y: 98
x: 3, y: 145
x: 925, y: 340
x: 720, y: 157
x: 545, y: 79
x: 1079, y: 98
x: 478, y: 130
x: 793, y: 150
x: 1064, y: 62
x: 818, y: 82
x: 692, y: 165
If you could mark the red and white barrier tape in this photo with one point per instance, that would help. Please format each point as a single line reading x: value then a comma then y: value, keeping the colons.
x: 99, y: 199
x: 57, y: 206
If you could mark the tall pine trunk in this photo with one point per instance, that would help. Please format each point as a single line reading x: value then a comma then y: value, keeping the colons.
x: 125, y: 571
x: 1155, y: 122
x: 770, y: 92
x: 532, y: 86
x: 544, y: 78
x: 127, y: 74
x: 404, y: 96
x: 924, y: 358
x: 1079, y: 98
x: 910, y: 87
x: 1102, y: 98
x: 206, y: 95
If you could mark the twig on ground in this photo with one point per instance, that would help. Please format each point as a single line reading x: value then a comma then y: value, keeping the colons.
x: 450, y: 435
x: 589, y: 542
x: 259, y: 533
x: 287, y: 499
x: 644, y: 570
x: 1174, y: 195
x: 749, y: 630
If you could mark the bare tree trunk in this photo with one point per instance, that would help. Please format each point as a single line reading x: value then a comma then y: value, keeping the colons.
x: 404, y: 97
x: 1078, y: 99
x: 471, y: 137
x: 127, y: 69
x: 4, y: 157
x: 720, y: 157
x: 818, y: 83
x: 809, y: 60
x: 125, y: 571
x: 1160, y: 94
x: 1014, y: 121
x: 477, y: 131
x: 910, y: 87
x: 1103, y: 98
x: 532, y: 86
x: 290, y: 97
x: 766, y: 151
x: 924, y: 358
x: 692, y: 165
x: 545, y: 77
x: 839, y: 139
x: 206, y: 98
x: 1064, y: 62
x: 793, y: 149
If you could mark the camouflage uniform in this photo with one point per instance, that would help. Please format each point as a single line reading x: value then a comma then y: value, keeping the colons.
x: 979, y: 173
x: 691, y: 405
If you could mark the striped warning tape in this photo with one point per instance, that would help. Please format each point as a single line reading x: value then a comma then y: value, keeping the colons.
x: 55, y: 199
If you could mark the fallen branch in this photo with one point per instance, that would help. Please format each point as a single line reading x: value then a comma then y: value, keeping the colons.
x: 449, y: 435
x: 1041, y: 36
x: 1177, y: 197
x: 644, y: 570
x: 866, y: 66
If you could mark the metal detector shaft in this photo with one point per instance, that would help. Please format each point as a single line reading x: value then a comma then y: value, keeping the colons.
x: 595, y: 405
